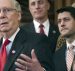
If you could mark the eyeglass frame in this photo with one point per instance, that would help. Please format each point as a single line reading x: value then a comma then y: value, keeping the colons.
x: 7, y: 10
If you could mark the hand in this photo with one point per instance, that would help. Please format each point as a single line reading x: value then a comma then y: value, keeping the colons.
x: 25, y: 63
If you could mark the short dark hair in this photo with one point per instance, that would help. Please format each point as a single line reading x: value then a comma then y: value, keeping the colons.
x: 50, y: 1
x: 69, y: 9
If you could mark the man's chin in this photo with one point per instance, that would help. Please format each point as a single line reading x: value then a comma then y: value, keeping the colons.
x: 65, y: 35
x: 3, y: 30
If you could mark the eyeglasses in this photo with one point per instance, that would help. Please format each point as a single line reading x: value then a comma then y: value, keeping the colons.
x: 7, y: 10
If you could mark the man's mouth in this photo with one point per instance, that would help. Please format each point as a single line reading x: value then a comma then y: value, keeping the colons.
x: 63, y: 29
x: 3, y: 22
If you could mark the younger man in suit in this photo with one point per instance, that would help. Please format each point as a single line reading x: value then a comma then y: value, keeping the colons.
x: 21, y: 41
x: 39, y: 11
x: 64, y: 57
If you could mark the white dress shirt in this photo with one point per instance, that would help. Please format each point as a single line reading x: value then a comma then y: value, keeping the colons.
x: 68, y: 44
x: 8, y: 47
x: 46, y: 26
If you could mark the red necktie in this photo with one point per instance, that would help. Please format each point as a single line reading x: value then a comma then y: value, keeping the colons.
x: 3, y: 54
x: 41, y: 29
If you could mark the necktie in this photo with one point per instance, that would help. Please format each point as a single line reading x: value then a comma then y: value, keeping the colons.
x: 3, y: 54
x: 74, y: 62
x: 69, y: 58
x: 41, y: 29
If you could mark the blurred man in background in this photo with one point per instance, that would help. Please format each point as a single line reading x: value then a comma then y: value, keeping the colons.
x: 41, y: 22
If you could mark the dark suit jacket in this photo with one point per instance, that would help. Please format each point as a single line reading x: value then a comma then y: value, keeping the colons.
x: 24, y: 42
x: 60, y: 59
x: 52, y: 36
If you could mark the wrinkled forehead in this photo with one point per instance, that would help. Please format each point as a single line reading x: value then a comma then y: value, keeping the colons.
x: 6, y: 3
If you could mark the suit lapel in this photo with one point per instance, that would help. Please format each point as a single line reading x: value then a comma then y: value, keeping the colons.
x: 31, y: 27
x: 61, y: 59
x: 15, y: 50
x: 63, y: 56
x: 52, y: 30
x: 53, y: 36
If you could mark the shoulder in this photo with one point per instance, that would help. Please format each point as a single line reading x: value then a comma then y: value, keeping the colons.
x: 26, y: 25
x: 53, y: 27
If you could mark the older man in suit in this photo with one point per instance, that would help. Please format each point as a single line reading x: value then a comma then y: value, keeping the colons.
x: 39, y: 11
x: 64, y: 57
x: 20, y: 41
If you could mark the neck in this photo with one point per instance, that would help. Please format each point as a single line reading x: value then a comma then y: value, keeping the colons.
x: 70, y: 39
x: 41, y: 20
x: 9, y: 33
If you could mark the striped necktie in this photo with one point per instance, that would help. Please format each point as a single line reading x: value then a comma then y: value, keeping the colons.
x: 74, y: 61
x: 69, y: 57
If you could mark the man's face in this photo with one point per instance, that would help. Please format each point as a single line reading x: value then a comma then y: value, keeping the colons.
x: 9, y: 16
x: 66, y: 24
x: 39, y: 8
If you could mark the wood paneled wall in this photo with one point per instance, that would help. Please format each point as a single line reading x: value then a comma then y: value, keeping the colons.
x: 61, y: 3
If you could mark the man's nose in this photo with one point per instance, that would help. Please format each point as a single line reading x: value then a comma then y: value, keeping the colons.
x: 2, y: 14
x: 62, y: 23
x: 37, y: 5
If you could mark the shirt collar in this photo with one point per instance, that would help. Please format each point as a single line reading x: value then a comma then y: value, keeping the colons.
x: 36, y: 24
x: 46, y: 26
x: 68, y: 44
x: 13, y: 36
x: 46, y: 23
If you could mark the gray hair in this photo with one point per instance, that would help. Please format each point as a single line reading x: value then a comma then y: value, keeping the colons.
x: 16, y: 5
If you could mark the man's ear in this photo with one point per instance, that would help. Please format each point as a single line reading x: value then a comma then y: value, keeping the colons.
x: 19, y: 16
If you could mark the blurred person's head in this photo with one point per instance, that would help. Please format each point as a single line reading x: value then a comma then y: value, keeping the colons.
x: 39, y: 9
